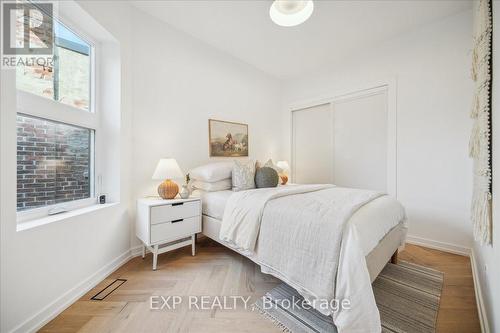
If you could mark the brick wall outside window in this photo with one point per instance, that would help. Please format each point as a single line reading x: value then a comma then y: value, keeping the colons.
x: 53, y: 162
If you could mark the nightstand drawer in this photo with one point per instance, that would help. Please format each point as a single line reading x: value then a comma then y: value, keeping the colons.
x: 166, y: 213
x: 175, y: 229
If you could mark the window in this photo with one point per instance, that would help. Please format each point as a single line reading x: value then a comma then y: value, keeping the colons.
x: 53, y: 162
x: 56, y: 129
x: 68, y: 79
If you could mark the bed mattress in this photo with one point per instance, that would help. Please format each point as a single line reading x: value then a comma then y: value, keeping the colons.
x: 214, y: 203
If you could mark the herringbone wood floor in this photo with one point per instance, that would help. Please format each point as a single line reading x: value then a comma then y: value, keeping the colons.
x: 217, y: 271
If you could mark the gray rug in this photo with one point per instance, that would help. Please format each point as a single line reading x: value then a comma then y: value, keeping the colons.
x: 407, y: 297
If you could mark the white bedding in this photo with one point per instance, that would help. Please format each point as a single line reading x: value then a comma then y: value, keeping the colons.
x: 375, y: 219
x: 244, y: 212
x: 213, y: 203
x: 372, y: 221
x: 305, y: 240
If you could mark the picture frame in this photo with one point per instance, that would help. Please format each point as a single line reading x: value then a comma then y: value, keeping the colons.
x: 227, y: 139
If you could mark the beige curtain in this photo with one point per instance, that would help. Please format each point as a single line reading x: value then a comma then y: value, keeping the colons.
x: 480, y: 142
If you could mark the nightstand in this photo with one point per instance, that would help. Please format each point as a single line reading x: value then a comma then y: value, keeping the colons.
x: 173, y: 223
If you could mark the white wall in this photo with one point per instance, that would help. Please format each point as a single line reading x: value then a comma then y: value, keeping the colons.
x: 487, y: 257
x: 434, y: 91
x: 188, y: 83
x: 171, y: 84
x: 43, y: 265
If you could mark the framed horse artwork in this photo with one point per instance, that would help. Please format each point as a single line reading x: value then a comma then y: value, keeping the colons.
x: 227, y: 139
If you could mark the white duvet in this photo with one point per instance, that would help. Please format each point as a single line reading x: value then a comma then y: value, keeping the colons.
x: 300, y: 234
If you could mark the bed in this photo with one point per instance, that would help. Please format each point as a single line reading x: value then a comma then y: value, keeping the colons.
x: 213, y: 204
x: 380, y: 229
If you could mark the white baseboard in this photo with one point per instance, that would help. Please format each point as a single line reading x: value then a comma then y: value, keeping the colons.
x: 53, y: 309
x: 483, y: 319
x: 437, y: 245
x: 136, y: 251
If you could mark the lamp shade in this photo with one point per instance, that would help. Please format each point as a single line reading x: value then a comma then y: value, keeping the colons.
x: 167, y: 168
x: 283, y: 166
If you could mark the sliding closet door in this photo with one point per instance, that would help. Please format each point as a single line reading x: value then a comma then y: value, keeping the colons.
x: 312, y: 142
x: 361, y: 142
x: 350, y: 142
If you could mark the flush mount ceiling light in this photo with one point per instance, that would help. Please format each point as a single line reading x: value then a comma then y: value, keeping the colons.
x: 289, y: 13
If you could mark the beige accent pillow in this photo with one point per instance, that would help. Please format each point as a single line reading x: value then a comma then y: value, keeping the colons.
x: 243, y: 176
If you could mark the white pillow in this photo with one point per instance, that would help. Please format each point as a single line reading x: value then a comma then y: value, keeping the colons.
x: 221, y: 185
x: 212, y: 172
x: 243, y: 176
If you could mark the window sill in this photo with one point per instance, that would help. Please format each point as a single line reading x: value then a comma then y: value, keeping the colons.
x: 63, y: 216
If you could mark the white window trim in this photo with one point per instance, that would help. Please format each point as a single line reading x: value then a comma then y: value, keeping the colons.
x: 45, y: 108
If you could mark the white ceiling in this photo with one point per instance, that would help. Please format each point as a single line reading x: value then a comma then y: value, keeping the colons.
x: 336, y: 29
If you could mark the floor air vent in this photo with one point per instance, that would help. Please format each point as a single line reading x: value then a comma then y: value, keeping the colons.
x: 108, y: 290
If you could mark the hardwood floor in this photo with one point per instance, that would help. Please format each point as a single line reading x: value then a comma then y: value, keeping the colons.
x: 458, y: 309
x: 217, y: 271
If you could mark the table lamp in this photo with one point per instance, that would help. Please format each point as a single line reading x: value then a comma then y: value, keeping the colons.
x: 284, y: 168
x: 166, y: 170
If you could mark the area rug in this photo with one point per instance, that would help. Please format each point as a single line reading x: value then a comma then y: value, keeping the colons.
x: 407, y: 297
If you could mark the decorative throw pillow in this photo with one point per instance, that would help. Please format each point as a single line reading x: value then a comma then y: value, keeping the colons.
x: 266, y: 177
x: 243, y: 176
x: 269, y: 164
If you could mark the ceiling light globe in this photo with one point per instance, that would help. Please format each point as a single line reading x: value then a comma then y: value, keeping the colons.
x: 289, y: 13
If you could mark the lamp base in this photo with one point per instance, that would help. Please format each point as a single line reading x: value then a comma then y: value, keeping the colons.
x: 168, y: 189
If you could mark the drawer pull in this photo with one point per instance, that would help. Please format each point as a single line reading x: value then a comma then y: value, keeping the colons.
x: 178, y: 204
x: 179, y: 220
